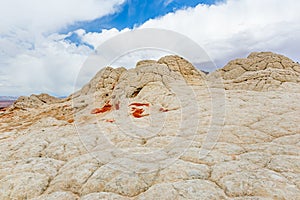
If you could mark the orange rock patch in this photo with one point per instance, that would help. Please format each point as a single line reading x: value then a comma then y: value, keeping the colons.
x: 138, y: 112
x: 110, y: 120
x: 139, y: 104
x: 71, y: 120
x: 107, y: 107
x: 163, y: 110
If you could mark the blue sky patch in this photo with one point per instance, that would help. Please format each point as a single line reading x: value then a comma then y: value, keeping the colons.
x: 134, y: 13
x: 74, y: 38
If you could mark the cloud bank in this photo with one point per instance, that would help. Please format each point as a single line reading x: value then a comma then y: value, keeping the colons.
x: 43, y: 16
x: 36, y: 58
x: 236, y: 27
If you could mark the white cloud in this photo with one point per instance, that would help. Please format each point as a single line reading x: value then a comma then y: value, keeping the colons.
x: 51, y: 67
x: 95, y: 39
x: 167, y: 2
x: 51, y: 15
x: 237, y: 27
x: 230, y: 29
x: 33, y: 57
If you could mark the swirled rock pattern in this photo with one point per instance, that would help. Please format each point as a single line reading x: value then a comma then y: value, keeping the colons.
x: 240, y: 140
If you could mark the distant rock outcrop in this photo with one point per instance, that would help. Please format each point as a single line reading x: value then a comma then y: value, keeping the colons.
x: 34, y: 101
x: 260, y: 72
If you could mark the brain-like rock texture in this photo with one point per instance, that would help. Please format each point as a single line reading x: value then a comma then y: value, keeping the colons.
x: 185, y: 68
x: 260, y: 72
x: 163, y: 130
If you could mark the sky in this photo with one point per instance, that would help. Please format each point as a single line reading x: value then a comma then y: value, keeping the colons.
x: 44, y: 44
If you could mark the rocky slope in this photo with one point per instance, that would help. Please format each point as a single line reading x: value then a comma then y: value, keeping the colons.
x: 163, y: 130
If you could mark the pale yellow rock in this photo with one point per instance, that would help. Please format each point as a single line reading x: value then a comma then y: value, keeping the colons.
x: 103, y: 196
x: 193, y: 140
x: 261, y: 182
x: 24, y: 185
x: 260, y: 72
x: 145, y: 62
x: 185, y: 68
x: 190, y: 189
x: 181, y: 170
x: 34, y: 101
x: 58, y: 195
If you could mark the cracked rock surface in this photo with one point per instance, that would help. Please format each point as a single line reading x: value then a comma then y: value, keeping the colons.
x: 263, y: 71
x: 163, y: 135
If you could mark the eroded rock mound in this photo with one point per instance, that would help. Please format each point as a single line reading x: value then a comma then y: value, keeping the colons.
x: 104, y: 81
x: 133, y: 138
x: 34, y: 101
x: 145, y: 62
x: 184, y: 67
x: 260, y: 72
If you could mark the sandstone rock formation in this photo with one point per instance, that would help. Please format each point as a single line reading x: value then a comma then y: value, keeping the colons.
x: 158, y: 132
x: 186, y: 69
x: 34, y: 101
x: 260, y: 72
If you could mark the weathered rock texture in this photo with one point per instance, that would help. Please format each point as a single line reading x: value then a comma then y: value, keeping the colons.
x: 34, y: 101
x: 140, y: 142
x: 260, y: 72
